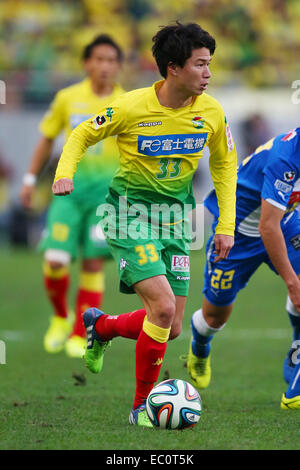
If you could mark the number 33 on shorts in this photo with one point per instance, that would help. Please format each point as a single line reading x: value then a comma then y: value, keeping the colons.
x: 146, y: 253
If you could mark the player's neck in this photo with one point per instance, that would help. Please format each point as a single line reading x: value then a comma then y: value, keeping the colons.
x: 102, y: 89
x: 172, y: 97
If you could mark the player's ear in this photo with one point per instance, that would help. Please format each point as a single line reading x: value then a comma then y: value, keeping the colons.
x: 172, y: 69
x: 86, y: 66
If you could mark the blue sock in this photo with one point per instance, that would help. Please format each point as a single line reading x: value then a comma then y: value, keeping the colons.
x: 295, y: 322
x: 294, y: 386
x: 200, y: 344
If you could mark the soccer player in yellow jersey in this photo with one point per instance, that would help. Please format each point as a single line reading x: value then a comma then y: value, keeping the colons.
x: 162, y: 131
x: 72, y: 221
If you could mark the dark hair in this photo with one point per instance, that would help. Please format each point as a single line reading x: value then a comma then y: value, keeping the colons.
x: 175, y: 44
x: 98, y: 41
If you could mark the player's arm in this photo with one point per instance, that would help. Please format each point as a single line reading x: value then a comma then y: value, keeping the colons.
x: 50, y: 127
x: 86, y: 134
x: 223, y: 169
x: 272, y: 236
x: 40, y: 157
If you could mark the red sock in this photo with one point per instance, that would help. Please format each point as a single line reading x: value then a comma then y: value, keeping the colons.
x: 127, y: 325
x: 85, y: 299
x: 57, y: 292
x: 149, y: 356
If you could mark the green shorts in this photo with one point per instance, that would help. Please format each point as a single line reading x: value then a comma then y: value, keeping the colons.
x: 71, y: 225
x: 146, y: 256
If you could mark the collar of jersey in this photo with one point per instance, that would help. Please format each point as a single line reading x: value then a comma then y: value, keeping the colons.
x: 156, y: 107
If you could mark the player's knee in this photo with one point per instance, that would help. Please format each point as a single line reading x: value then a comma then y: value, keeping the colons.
x: 57, y: 259
x: 92, y: 265
x: 55, y: 265
x: 215, y: 322
x: 165, y: 311
x: 175, y: 331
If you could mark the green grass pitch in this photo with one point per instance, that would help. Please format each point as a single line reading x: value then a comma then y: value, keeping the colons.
x: 53, y: 402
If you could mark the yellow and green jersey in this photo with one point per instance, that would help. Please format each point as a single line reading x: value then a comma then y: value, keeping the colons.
x: 159, y: 149
x: 70, y: 107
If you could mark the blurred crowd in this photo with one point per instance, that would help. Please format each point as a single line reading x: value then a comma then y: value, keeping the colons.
x: 41, y: 40
x: 41, y: 44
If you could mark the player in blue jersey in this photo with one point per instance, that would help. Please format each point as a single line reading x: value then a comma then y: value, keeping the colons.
x: 267, y: 230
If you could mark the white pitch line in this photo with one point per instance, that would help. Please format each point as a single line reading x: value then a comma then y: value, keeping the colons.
x: 251, y: 333
x: 15, y: 335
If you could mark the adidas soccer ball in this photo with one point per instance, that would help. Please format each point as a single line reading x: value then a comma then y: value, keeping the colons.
x: 174, y: 404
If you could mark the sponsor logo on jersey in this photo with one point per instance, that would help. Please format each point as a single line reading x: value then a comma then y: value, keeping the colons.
x: 289, y: 175
x: 180, y: 263
x: 198, y: 122
x: 158, y: 362
x: 149, y: 124
x: 171, y: 144
x: 109, y: 113
x: 295, y: 241
x: 123, y: 263
x: 182, y: 278
x: 230, y: 143
x: 282, y: 186
x: 99, y: 121
x: 214, y: 291
x: 281, y: 195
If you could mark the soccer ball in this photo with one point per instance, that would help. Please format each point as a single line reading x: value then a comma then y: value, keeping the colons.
x: 174, y: 404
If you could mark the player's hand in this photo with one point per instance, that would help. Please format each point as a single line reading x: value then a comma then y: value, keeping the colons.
x: 223, y: 245
x: 62, y: 187
x: 294, y: 294
x: 26, y: 195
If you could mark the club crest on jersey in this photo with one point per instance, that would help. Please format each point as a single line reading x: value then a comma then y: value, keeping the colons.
x: 180, y: 263
x: 289, y: 175
x: 99, y: 121
x: 109, y: 113
x: 198, y: 122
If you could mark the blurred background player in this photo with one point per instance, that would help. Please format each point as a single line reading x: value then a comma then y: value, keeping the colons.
x: 267, y: 231
x: 162, y: 131
x: 72, y: 221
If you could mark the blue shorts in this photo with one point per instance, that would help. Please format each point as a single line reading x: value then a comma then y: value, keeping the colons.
x: 224, y: 279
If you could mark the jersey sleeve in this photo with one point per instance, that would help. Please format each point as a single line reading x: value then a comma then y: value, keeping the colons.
x: 53, y: 121
x: 110, y: 121
x: 223, y: 169
x: 279, y: 180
